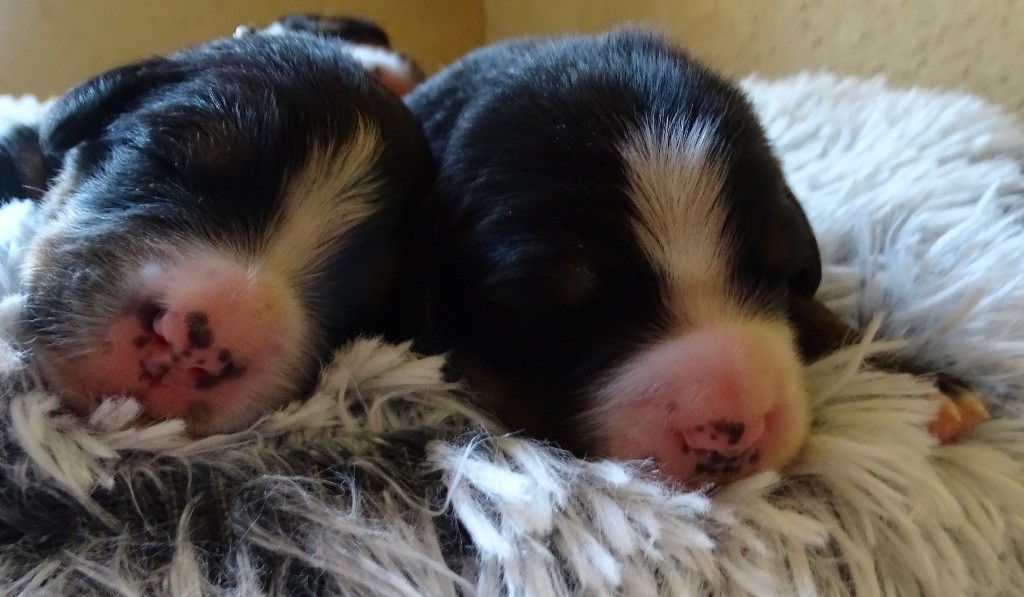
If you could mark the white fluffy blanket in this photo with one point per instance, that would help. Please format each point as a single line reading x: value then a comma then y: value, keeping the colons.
x: 383, y: 483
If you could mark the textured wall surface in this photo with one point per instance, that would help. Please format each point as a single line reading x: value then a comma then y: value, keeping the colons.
x: 47, y: 46
x: 972, y: 45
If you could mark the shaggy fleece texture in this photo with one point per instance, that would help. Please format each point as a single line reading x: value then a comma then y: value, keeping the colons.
x: 384, y: 483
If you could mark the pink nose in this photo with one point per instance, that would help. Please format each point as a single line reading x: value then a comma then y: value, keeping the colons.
x: 204, y: 323
x: 208, y: 342
x: 183, y: 341
x: 718, y: 387
x: 724, y: 401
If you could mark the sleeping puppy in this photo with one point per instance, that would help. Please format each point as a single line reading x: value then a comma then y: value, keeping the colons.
x: 219, y: 220
x: 612, y: 253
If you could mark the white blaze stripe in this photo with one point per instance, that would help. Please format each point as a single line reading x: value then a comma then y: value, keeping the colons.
x: 676, y: 186
x: 321, y: 203
x: 331, y: 195
x: 676, y: 189
x: 639, y: 406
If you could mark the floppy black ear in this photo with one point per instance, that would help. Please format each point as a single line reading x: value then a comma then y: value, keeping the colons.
x: 795, y: 227
x: 85, y: 111
x: 22, y: 167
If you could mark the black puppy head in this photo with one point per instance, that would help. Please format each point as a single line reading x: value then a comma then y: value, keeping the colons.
x: 230, y: 211
x: 615, y: 250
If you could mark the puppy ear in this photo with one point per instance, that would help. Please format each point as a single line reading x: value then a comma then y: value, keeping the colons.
x: 23, y: 172
x: 85, y: 111
x: 794, y: 227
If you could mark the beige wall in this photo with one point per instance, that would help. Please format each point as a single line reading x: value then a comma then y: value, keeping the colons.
x: 974, y: 45
x: 47, y: 46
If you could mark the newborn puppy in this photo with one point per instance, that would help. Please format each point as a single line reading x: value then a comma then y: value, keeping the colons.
x: 614, y: 250
x: 220, y: 220
x: 611, y: 254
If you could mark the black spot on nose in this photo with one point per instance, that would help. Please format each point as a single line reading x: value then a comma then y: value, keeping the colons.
x: 731, y: 429
x: 199, y: 333
x: 206, y: 381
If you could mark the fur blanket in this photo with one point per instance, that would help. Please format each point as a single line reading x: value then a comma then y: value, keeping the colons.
x: 385, y: 483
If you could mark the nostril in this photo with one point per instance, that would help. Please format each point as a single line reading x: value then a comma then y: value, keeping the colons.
x: 148, y: 314
x: 159, y: 342
x: 198, y: 325
x: 731, y: 430
x: 198, y: 374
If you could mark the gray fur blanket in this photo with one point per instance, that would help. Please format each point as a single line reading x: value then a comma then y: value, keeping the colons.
x: 384, y: 482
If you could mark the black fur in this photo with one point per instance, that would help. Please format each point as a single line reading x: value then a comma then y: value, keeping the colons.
x: 536, y: 282
x: 198, y: 149
x: 23, y: 170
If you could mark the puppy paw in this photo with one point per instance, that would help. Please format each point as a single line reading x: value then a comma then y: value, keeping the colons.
x: 960, y: 410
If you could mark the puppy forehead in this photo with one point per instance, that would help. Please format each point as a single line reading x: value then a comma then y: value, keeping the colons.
x: 677, y: 183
